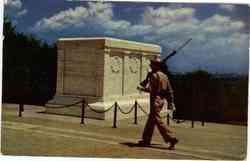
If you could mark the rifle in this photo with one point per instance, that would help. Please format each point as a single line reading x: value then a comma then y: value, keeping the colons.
x: 176, y: 50
x: 163, y: 62
x: 164, y: 67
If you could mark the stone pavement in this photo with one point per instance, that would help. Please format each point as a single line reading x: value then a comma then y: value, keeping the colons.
x: 212, y: 141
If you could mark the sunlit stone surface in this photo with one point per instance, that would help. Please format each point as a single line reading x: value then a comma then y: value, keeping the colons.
x: 102, y: 70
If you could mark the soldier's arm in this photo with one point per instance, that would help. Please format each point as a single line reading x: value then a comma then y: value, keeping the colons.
x: 146, y: 80
x: 170, y: 92
x: 145, y: 85
x: 155, y: 84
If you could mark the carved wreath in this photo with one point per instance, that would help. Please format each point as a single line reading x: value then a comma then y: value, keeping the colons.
x: 133, y: 64
x: 115, y: 64
x: 146, y: 64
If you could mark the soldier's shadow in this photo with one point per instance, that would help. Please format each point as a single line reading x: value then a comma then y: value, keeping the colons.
x: 155, y: 146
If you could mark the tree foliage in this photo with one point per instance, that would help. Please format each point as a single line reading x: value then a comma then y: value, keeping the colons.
x: 200, y: 95
x: 29, y: 67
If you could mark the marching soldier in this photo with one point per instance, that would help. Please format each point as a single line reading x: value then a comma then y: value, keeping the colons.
x: 158, y: 85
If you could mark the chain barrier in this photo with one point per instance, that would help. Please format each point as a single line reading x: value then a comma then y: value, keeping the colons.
x: 142, y: 109
x: 129, y: 111
x: 179, y: 121
x: 115, y: 105
x: 100, y: 111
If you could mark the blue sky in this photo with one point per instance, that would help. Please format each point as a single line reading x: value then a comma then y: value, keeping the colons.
x: 220, y: 32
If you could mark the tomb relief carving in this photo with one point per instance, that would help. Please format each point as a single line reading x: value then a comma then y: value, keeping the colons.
x: 116, y: 63
x: 134, y: 64
x: 147, y: 64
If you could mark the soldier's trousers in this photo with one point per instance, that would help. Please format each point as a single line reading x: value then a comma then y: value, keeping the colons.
x: 154, y: 119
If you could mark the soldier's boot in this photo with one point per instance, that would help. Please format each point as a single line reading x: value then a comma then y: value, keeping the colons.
x: 143, y: 143
x: 173, y: 142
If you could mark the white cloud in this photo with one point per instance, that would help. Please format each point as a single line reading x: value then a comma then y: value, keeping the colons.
x: 218, y: 44
x: 21, y: 13
x: 165, y: 16
x: 100, y: 11
x: 116, y: 26
x: 14, y: 4
x: 62, y: 20
x: 96, y: 13
x: 14, y: 8
x: 170, y: 22
x: 140, y: 30
x: 217, y: 40
x: 218, y: 23
x: 227, y: 7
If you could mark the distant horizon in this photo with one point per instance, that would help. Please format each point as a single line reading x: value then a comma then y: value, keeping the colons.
x: 220, y: 32
x: 224, y: 75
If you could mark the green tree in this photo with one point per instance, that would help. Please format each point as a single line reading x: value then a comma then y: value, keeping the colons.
x: 29, y: 67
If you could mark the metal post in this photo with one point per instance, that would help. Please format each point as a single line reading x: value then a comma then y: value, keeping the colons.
x: 192, y: 115
x: 192, y: 108
x: 194, y: 95
x: 168, y: 122
x: 136, y: 104
x: 115, y: 115
x: 21, y: 109
x: 203, y: 117
x: 192, y: 118
x: 83, y: 111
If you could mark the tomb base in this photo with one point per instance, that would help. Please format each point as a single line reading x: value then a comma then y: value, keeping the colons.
x: 104, y: 110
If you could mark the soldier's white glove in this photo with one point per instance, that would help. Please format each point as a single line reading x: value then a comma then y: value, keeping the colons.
x: 171, y: 106
x: 140, y: 88
x: 171, y: 109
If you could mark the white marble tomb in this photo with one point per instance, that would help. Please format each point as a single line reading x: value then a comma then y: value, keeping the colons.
x: 102, y: 70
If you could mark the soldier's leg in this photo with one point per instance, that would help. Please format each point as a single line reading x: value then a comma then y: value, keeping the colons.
x: 148, y: 130
x: 165, y: 131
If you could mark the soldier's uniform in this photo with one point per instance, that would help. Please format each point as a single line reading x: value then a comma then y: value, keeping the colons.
x: 160, y: 90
